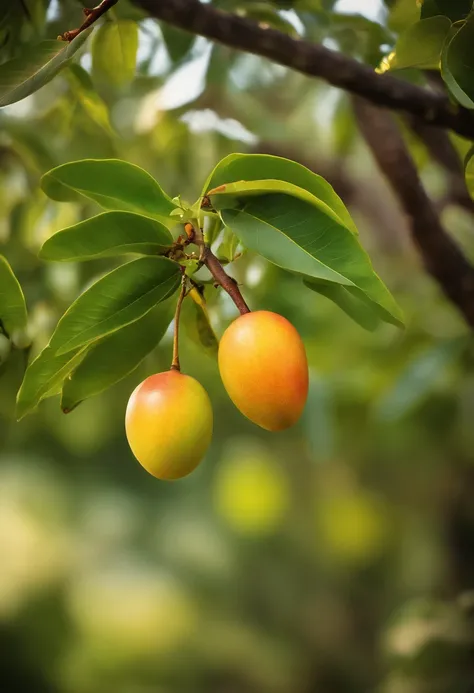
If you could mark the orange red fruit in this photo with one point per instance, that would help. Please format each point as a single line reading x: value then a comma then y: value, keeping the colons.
x: 263, y: 365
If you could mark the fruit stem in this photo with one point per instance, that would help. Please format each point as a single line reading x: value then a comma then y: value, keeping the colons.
x: 175, y: 365
x: 207, y: 258
x: 222, y: 278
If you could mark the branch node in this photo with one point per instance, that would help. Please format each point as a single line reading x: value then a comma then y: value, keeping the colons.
x: 92, y: 15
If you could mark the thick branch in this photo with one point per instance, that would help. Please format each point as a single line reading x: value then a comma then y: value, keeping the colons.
x: 312, y: 59
x: 444, y: 153
x: 227, y: 283
x: 441, y: 256
x: 92, y: 15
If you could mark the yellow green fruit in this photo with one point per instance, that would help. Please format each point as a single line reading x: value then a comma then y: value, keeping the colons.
x: 169, y: 424
x: 263, y: 365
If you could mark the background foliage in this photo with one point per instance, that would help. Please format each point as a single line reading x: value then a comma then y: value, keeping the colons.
x: 333, y: 557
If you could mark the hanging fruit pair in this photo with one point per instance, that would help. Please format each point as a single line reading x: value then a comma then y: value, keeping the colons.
x: 263, y: 366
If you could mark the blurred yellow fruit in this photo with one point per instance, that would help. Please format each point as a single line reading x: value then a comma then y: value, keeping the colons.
x: 251, y: 492
x: 353, y: 527
x: 130, y: 611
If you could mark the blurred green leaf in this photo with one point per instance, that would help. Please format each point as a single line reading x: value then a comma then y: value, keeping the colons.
x: 37, y: 66
x: 454, y: 9
x: 44, y: 376
x: 351, y: 300
x: 105, y: 235
x: 113, y: 184
x: 5, y: 349
x: 419, y: 46
x: 114, y: 52
x: 252, y: 167
x: 299, y: 237
x: 30, y: 145
x: 118, y: 299
x: 116, y: 356
x: 178, y: 43
x: 418, y: 380
x: 469, y: 171
x: 89, y: 99
x: 402, y: 14
x: 457, y: 64
x: 319, y: 418
x: 13, y: 314
x: 198, y: 325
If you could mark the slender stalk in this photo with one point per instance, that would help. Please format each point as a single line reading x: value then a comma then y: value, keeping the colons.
x: 175, y: 365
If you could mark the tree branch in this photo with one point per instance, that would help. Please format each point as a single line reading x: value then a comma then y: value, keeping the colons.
x: 442, y: 257
x: 92, y: 15
x: 314, y: 60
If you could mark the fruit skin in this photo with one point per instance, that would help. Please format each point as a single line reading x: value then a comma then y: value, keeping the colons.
x: 169, y: 424
x: 263, y: 366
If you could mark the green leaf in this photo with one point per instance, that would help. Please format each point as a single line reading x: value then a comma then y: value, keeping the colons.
x: 178, y: 43
x: 114, y: 52
x: 419, y: 46
x: 113, y: 184
x: 198, y: 324
x: 402, y: 13
x: 36, y: 67
x: 301, y: 238
x: 116, y: 356
x: 469, y: 171
x: 226, y: 250
x: 13, y: 315
x: 233, y: 195
x: 118, y: 299
x: 455, y: 10
x: 44, y: 376
x: 351, y: 300
x: 89, y: 99
x: 457, y: 64
x: 105, y: 235
x: 421, y: 376
x: 254, y: 167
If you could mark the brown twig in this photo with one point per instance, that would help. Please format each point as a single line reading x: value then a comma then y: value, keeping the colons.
x: 312, y: 59
x: 175, y: 365
x: 92, y: 15
x: 223, y: 279
x: 442, y: 257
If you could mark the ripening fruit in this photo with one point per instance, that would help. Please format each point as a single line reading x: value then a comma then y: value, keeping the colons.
x: 169, y: 424
x: 263, y: 366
